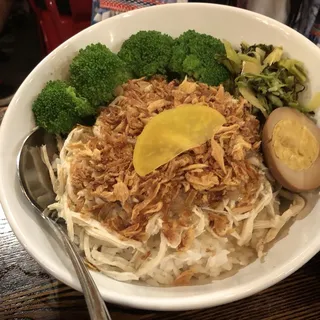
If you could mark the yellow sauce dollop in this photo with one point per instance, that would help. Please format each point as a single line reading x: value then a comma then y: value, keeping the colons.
x: 294, y: 145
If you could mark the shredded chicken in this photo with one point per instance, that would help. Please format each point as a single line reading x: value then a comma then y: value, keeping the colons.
x: 101, y: 159
x: 133, y: 224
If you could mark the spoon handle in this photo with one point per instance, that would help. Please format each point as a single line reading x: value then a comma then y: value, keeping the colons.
x: 96, y: 306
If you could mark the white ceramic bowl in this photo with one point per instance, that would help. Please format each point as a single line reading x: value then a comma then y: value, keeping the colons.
x: 235, y: 25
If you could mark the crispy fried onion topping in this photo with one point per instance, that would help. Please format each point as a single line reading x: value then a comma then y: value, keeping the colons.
x: 133, y: 227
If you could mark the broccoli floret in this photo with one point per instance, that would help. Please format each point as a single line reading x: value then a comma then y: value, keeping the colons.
x: 58, y: 108
x: 194, y: 54
x: 147, y: 53
x: 96, y: 72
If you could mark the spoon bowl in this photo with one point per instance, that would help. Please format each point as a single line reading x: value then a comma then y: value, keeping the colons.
x: 32, y: 172
x: 35, y: 182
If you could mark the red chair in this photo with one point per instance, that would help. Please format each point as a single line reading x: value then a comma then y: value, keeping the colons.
x: 57, y: 28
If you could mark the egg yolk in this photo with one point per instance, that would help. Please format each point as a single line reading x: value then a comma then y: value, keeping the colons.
x: 294, y: 145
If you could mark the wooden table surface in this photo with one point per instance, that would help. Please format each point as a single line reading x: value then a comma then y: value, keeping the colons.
x: 28, y: 292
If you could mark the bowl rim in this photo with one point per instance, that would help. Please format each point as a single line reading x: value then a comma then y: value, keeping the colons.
x: 156, y: 303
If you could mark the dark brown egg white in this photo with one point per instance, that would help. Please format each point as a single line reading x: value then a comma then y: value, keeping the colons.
x: 291, y: 143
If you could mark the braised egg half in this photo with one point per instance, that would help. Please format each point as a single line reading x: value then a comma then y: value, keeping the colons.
x: 291, y: 144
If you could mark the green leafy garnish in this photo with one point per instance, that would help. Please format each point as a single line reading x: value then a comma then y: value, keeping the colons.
x: 266, y: 78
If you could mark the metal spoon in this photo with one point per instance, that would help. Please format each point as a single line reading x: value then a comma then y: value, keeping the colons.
x: 36, y: 185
